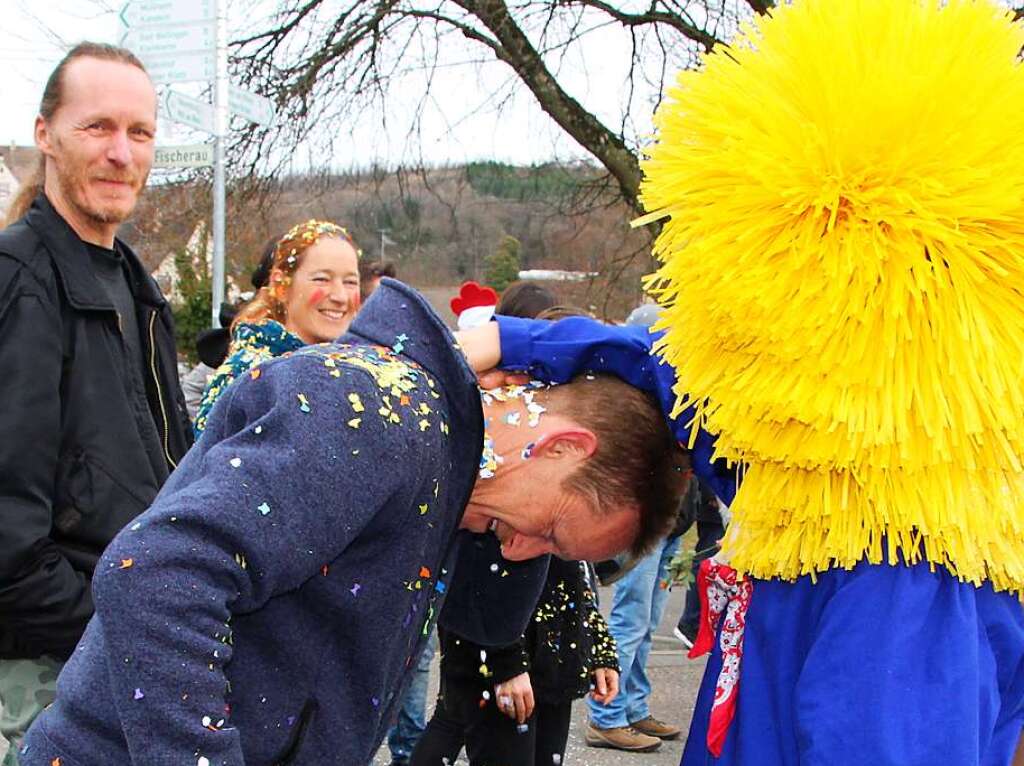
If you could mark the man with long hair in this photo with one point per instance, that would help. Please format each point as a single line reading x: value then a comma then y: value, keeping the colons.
x: 93, y: 417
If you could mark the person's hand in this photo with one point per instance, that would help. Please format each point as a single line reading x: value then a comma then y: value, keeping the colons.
x: 514, y: 697
x: 498, y: 378
x: 606, y: 685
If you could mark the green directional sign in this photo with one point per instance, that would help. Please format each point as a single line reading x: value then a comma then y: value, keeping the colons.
x: 193, y: 112
x: 251, y: 106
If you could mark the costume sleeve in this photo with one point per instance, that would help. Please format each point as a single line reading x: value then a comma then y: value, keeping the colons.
x: 555, y: 352
x: 45, y: 604
x: 256, y: 509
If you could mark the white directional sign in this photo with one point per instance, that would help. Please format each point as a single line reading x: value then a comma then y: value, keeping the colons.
x: 189, y: 111
x: 140, y: 12
x: 181, y: 67
x: 186, y: 156
x: 148, y: 41
x: 251, y: 106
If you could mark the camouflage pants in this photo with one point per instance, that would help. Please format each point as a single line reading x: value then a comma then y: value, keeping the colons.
x: 26, y: 687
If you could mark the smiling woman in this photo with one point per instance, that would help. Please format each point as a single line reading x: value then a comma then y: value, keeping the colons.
x: 311, y: 297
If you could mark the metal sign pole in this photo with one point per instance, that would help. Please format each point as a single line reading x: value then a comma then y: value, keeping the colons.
x: 220, y: 108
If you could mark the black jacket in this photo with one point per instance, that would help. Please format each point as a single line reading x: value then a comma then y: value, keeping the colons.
x: 566, y: 640
x: 74, y: 467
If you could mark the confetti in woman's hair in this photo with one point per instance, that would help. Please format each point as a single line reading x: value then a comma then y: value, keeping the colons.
x: 269, y: 301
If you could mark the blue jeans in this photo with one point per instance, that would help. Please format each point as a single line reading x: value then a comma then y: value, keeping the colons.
x: 412, y: 716
x: 637, y: 605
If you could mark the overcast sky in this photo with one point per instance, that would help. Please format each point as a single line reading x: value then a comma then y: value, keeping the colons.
x: 34, y: 35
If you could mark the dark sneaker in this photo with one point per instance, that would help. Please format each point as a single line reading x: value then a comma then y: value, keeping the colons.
x: 621, y: 738
x: 652, y: 727
x: 687, y: 634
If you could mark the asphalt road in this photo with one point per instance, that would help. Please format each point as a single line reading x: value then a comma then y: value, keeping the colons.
x: 674, y: 679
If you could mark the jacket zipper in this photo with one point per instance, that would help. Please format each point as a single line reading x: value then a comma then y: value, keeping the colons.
x: 159, y: 391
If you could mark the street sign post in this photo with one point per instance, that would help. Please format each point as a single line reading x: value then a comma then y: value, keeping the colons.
x: 183, y: 41
x: 251, y: 106
x: 220, y: 137
x: 184, y: 156
x: 145, y: 12
x: 193, y: 112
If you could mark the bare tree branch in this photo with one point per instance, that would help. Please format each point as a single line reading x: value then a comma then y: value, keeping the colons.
x: 654, y: 16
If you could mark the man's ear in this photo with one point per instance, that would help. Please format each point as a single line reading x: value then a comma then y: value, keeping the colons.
x: 570, y: 442
x: 42, y: 136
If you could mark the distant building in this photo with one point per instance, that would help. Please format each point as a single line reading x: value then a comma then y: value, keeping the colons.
x: 557, y: 275
x: 16, y: 163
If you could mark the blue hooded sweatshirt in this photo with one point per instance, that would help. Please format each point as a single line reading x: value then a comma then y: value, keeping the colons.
x: 266, y: 608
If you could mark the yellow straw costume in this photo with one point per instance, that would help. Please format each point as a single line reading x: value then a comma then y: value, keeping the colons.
x: 843, y: 265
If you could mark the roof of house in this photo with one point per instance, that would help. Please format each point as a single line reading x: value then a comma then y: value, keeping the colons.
x: 20, y: 160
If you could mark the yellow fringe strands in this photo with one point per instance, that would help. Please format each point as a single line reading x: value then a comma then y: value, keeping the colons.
x: 843, y: 271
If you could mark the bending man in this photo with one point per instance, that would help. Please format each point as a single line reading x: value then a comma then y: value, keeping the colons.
x: 267, y: 607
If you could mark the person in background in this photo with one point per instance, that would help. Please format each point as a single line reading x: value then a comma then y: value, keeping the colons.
x: 93, y: 419
x: 512, y: 705
x: 311, y: 296
x: 527, y: 300
x: 710, y: 529
x: 211, y: 346
x: 637, y: 606
x: 371, y: 273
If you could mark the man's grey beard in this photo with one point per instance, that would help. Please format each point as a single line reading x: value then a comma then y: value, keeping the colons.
x: 97, y: 216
